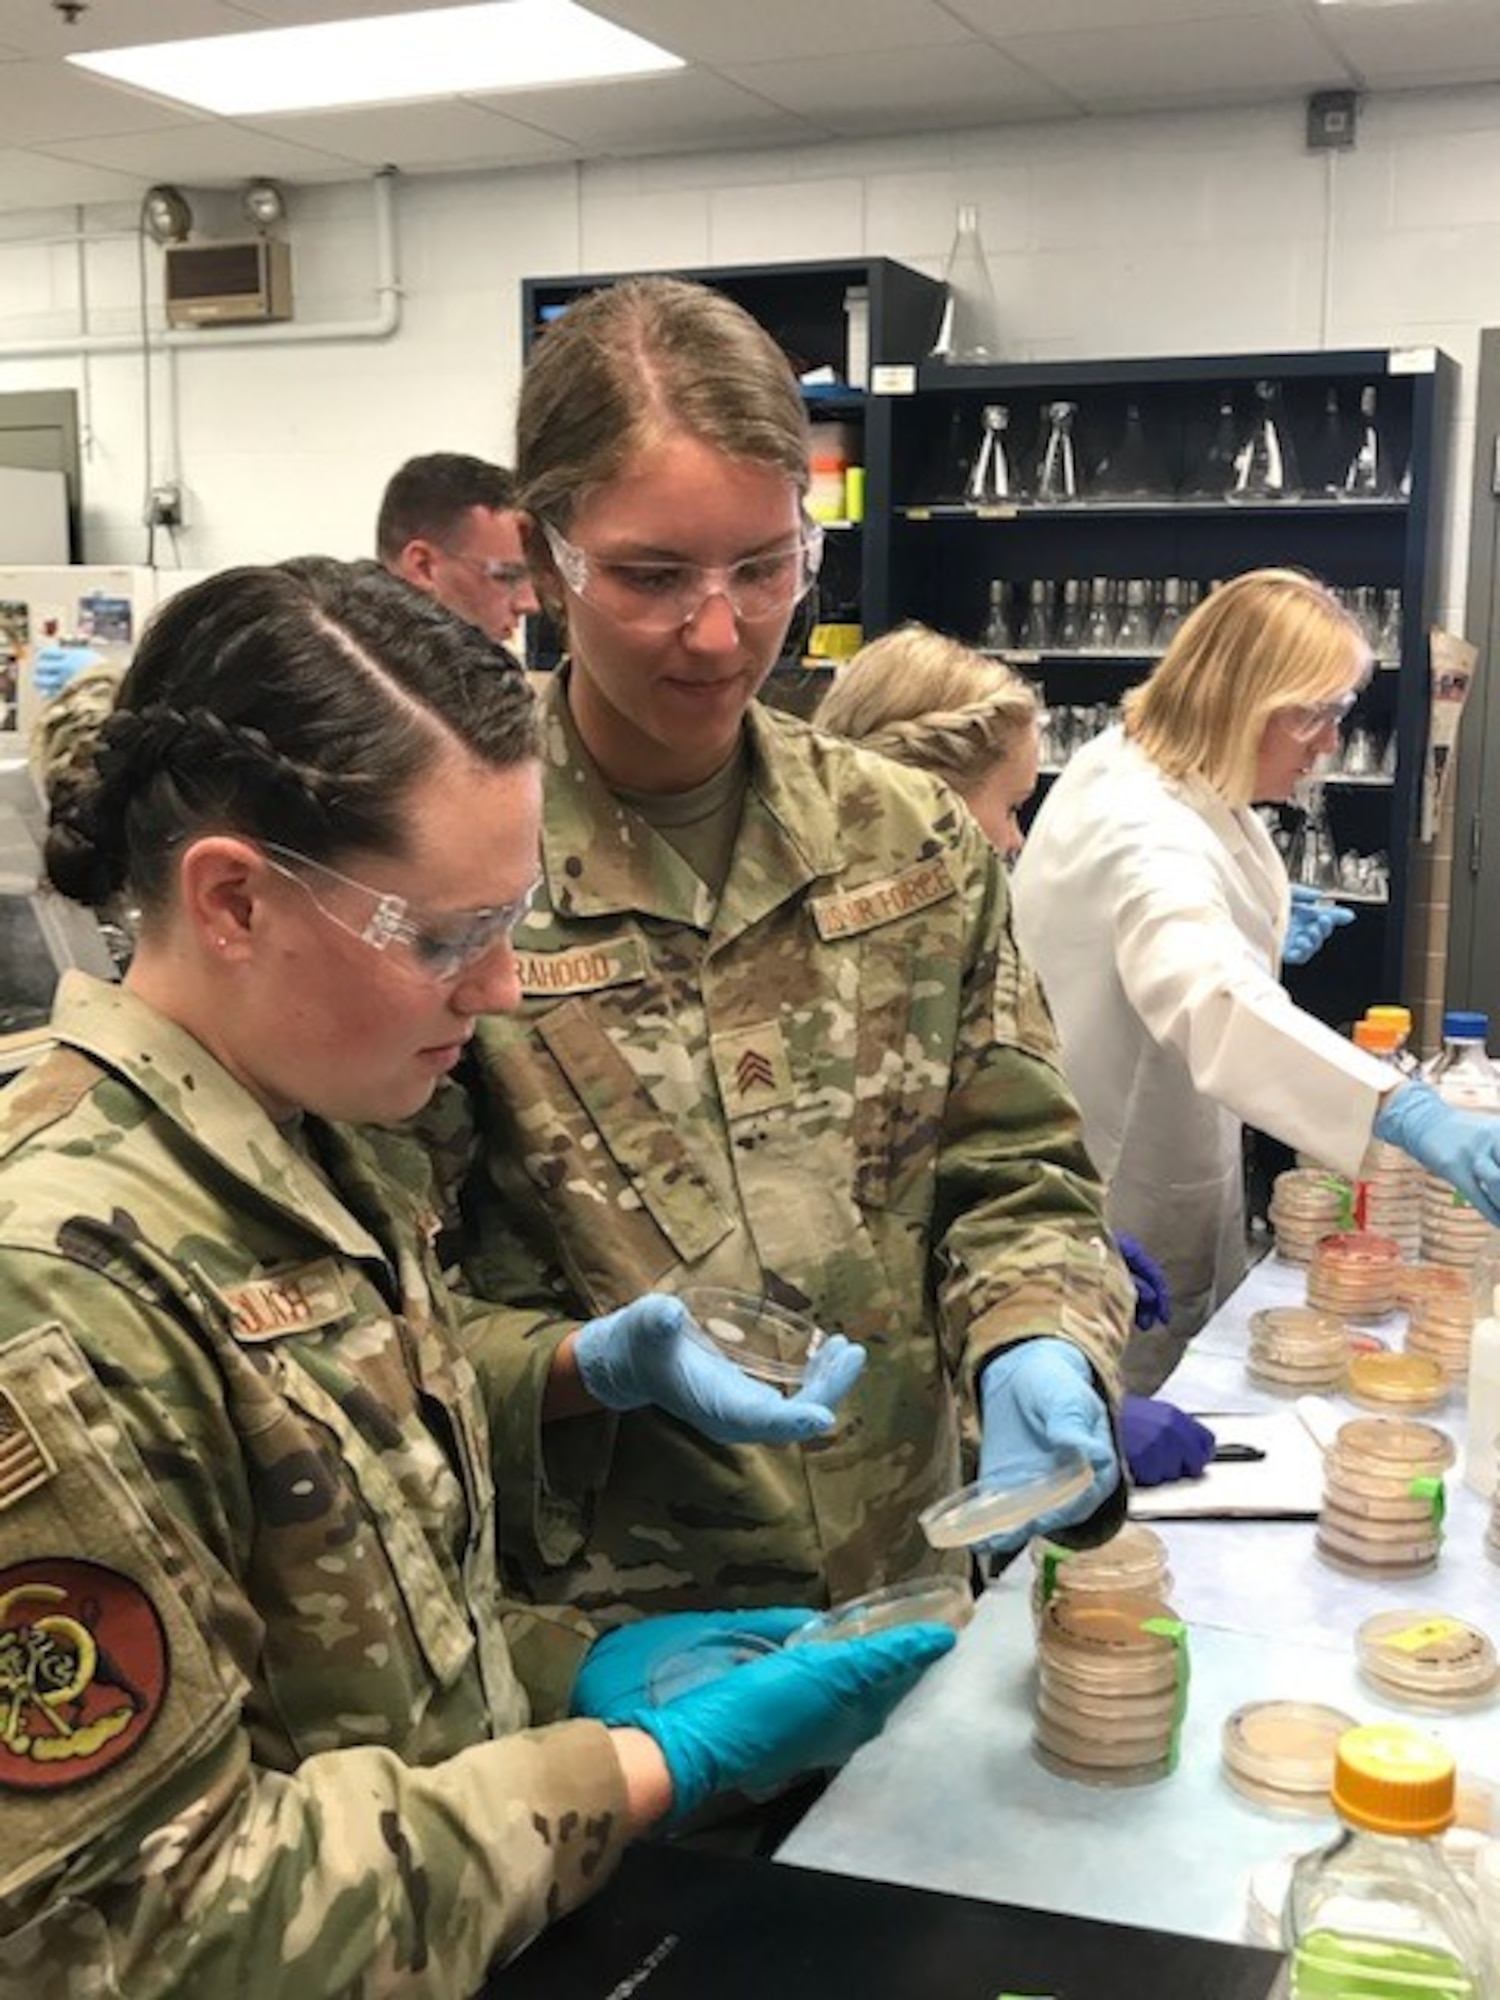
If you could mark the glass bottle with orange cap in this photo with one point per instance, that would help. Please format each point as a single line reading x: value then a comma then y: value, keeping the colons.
x: 1378, y: 1911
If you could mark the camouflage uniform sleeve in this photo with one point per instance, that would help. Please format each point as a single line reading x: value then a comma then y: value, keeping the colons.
x: 148, y: 1850
x: 1023, y: 1246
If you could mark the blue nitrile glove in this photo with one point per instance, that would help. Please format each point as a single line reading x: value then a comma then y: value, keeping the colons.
x: 641, y: 1355
x: 770, y: 1720
x: 1036, y: 1400
x: 1460, y: 1147
x: 1312, y: 922
x: 1162, y: 1442
x: 53, y: 666
x: 1153, y: 1301
x: 617, y: 1671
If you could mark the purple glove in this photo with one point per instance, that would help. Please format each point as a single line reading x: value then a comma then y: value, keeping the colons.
x: 1162, y: 1443
x: 1153, y: 1301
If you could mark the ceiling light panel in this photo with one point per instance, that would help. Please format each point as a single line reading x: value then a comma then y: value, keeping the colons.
x: 393, y: 58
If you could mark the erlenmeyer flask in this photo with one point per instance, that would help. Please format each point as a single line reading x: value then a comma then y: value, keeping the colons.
x: 1326, y: 460
x: 1212, y: 473
x: 991, y: 478
x: 1038, y: 629
x: 1170, y: 622
x: 1265, y: 466
x: 995, y: 638
x: 1133, y: 468
x: 970, y: 326
x: 1134, y: 632
x: 1057, y: 464
x: 1071, y: 617
x: 1368, y: 474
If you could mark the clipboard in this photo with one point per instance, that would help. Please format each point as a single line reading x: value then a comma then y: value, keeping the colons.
x: 1284, y: 1485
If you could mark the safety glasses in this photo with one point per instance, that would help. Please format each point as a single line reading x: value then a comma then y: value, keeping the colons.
x: 661, y: 596
x: 431, y: 947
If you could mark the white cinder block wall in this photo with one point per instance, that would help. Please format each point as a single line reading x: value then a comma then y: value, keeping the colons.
x: 1173, y: 234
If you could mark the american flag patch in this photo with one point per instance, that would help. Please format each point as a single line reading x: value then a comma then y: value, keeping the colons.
x: 24, y: 1462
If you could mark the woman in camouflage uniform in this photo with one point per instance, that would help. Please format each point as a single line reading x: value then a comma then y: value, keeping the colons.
x: 261, y: 1730
x: 775, y: 1032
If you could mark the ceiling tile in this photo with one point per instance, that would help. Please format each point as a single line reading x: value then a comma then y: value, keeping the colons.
x: 31, y: 180
x: 1001, y: 20
x: 418, y: 136
x: 114, y: 24
x: 1228, y: 61
x: 46, y: 102
x: 205, y: 152
x: 689, y: 108
x: 1395, y: 47
x: 719, y: 34
x: 885, y: 92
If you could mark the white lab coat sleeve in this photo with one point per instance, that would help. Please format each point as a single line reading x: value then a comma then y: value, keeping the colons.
x: 1201, y: 988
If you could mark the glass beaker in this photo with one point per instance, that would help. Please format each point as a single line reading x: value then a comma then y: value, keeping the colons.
x: 1369, y: 474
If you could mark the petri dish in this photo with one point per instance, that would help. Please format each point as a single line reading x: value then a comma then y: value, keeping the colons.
x: 1396, y: 1447
x: 1280, y: 1753
x: 1427, y: 1657
x: 992, y: 1507
x: 1402, y: 1381
x: 921, y: 1600
x: 766, y: 1340
x: 702, y: 1660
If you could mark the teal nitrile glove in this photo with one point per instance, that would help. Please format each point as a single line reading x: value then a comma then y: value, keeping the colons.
x: 641, y: 1354
x: 1037, y: 1400
x: 1460, y: 1147
x: 770, y: 1720
x: 617, y: 1671
x: 1312, y: 922
x: 53, y: 666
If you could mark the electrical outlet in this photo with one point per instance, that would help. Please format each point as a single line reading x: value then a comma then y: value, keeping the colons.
x: 164, y: 506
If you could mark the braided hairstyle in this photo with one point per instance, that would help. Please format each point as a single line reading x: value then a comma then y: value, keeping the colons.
x: 296, y: 704
x: 926, y: 700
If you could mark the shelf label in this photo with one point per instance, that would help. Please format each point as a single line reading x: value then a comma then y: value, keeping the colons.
x: 1413, y: 361
x: 894, y: 378
x: 919, y: 513
x: 995, y: 513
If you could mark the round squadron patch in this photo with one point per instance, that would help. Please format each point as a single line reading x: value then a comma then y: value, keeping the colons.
x: 83, y: 1671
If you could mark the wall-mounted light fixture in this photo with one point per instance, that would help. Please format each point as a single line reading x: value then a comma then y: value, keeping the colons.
x: 264, y: 204
x: 165, y: 214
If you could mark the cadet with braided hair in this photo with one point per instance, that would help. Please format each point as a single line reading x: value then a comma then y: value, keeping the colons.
x: 923, y: 699
x: 263, y: 1728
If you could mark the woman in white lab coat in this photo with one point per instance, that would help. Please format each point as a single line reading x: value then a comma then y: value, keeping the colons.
x: 1154, y: 905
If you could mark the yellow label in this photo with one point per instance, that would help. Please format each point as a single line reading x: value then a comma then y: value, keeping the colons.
x: 294, y: 1300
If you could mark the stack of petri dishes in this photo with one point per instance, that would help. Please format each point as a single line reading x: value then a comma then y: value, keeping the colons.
x: 925, y: 1600
x: 1407, y: 1385
x: 1416, y: 1282
x: 1427, y: 1659
x: 1280, y: 1753
x: 1382, y: 1509
x: 1440, y: 1326
x: 1132, y: 1563
x: 1307, y: 1204
x: 1354, y: 1275
x: 1297, y: 1351
x: 1112, y: 1682
x: 1453, y: 1231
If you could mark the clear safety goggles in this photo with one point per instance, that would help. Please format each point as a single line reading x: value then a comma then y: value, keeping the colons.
x: 432, y: 947
x: 665, y: 596
x: 508, y: 575
x: 1309, y: 719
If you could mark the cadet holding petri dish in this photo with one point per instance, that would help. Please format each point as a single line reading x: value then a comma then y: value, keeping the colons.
x: 926, y: 700
x: 774, y: 1035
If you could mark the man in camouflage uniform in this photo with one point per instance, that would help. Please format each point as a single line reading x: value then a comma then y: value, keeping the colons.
x: 183, y: 1294
x: 838, y: 1083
